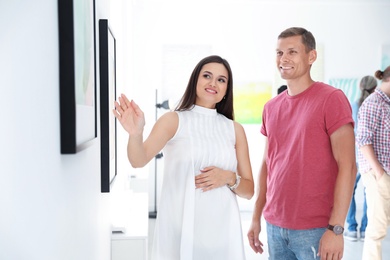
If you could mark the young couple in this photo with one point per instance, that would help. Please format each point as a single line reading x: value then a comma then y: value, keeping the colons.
x: 306, y: 177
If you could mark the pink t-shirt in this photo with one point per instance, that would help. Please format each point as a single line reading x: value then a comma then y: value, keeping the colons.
x: 301, y: 168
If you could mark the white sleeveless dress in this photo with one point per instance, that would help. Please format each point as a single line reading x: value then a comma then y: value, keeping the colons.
x: 191, y: 224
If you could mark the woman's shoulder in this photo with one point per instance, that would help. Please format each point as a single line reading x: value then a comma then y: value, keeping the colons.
x: 238, y: 128
x: 169, y: 120
x: 237, y: 125
x: 169, y: 117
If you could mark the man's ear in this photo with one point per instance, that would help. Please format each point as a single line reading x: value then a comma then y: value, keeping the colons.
x: 312, y: 56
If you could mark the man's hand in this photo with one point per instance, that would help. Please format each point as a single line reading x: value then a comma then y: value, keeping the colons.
x: 253, y: 237
x: 331, y: 246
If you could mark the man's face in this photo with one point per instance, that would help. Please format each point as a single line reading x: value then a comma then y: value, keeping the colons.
x: 292, y: 59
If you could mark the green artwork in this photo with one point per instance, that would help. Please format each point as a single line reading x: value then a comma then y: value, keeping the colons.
x: 249, y: 101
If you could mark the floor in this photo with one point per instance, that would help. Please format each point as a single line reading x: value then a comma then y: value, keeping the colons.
x: 352, y: 250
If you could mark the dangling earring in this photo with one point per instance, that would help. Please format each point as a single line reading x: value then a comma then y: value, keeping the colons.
x: 224, y: 97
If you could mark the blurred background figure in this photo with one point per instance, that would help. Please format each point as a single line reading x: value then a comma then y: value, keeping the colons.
x: 367, y: 86
x: 373, y: 141
x: 282, y: 88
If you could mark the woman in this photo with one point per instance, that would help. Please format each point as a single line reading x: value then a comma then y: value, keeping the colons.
x: 206, y: 165
x: 367, y: 86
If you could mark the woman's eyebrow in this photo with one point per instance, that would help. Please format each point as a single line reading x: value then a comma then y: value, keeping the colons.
x: 206, y: 71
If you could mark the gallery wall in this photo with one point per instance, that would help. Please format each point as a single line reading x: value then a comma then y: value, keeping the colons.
x: 51, y: 204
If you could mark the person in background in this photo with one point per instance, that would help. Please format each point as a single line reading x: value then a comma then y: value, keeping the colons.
x: 206, y: 165
x: 282, y: 88
x: 308, y: 170
x: 367, y: 86
x: 373, y: 141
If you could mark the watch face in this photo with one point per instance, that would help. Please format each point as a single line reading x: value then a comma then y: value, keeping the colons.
x: 338, y: 230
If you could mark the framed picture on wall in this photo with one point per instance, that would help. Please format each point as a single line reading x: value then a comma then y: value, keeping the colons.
x: 78, y: 127
x: 108, y: 127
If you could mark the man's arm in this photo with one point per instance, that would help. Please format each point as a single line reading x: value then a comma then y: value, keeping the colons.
x: 343, y: 148
x: 255, y: 228
x: 369, y: 154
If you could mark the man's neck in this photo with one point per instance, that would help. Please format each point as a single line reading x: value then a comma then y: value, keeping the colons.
x: 296, y: 87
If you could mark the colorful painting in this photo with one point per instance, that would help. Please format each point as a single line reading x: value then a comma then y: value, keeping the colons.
x: 249, y: 101
x: 350, y: 86
x: 78, y: 122
x: 84, y: 52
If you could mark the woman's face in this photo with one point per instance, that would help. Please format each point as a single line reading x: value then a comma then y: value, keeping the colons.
x: 212, y: 85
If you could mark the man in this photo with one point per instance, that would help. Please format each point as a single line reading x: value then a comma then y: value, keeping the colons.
x: 373, y: 140
x: 309, y: 168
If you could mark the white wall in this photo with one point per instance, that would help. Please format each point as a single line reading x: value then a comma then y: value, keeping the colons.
x: 351, y: 33
x: 51, y: 205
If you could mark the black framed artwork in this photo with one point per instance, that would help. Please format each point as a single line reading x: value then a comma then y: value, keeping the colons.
x: 108, y: 127
x: 78, y: 124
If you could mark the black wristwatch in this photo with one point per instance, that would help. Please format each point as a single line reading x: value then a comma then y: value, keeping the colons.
x: 337, y: 229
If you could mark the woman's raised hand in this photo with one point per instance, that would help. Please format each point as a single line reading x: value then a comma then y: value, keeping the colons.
x: 129, y: 115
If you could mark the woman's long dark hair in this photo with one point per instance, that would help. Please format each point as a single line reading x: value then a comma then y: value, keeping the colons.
x: 225, y: 106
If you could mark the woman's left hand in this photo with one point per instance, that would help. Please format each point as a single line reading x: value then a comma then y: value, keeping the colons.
x: 212, y: 177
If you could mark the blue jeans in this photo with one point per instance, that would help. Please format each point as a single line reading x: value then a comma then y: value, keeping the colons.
x: 289, y: 244
x: 351, y: 219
